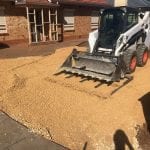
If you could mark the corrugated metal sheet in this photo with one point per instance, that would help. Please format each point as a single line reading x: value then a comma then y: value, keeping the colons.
x: 98, y: 3
x: 114, y: 3
x: 88, y: 2
x: 138, y: 3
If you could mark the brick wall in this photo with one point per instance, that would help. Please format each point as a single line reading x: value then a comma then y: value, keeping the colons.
x: 16, y: 23
x: 82, y: 23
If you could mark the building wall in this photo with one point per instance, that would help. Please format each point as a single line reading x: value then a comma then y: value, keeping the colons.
x: 82, y: 23
x: 17, y: 29
x: 17, y: 26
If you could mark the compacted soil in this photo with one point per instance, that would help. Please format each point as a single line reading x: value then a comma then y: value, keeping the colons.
x: 77, y: 113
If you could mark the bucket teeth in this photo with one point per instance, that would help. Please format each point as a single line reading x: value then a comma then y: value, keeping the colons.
x: 87, y: 74
x: 89, y: 66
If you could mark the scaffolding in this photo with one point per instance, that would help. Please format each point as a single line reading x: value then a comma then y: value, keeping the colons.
x: 42, y: 24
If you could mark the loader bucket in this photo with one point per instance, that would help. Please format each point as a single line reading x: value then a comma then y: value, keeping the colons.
x: 87, y: 65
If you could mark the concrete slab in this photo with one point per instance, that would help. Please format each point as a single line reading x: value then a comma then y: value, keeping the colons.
x: 3, y: 117
x: 14, y: 136
x: 36, y: 143
x: 11, y: 132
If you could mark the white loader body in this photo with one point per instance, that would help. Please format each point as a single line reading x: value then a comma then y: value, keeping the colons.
x: 93, y: 36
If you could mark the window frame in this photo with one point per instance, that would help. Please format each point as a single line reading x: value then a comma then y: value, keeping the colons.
x: 71, y: 26
x: 128, y: 26
x: 3, y: 27
x: 94, y: 25
x: 132, y: 19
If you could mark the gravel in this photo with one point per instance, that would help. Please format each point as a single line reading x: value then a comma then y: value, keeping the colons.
x: 72, y: 113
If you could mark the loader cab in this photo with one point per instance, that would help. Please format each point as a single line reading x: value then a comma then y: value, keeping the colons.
x: 114, y: 22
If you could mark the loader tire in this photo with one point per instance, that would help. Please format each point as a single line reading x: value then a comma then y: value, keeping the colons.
x: 142, y: 55
x: 130, y: 60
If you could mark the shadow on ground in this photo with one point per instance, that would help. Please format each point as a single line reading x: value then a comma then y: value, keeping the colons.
x: 85, y: 146
x: 24, y: 50
x: 121, y: 141
x: 4, y: 45
x: 143, y: 132
x: 145, y: 102
x: 83, y: 44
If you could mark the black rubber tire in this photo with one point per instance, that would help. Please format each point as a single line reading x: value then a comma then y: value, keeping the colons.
x: 128, y: 56
x: 141, y: 50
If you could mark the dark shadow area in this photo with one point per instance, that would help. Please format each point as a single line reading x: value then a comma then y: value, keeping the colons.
x: 100, y: 83
x: 143, y: 132
x: 129, y: 79
x: 85, y: 146
x: 3, y: 45
x: 145, y: 102
x: 83, y: 44
x: 24, y: 50
x: 121, y: 141
x: 143, y: 137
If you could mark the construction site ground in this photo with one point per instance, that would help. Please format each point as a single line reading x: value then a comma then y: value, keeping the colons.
x: 77, y: 113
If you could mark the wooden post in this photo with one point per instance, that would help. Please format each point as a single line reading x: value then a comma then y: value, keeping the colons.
x: 29, y: 29
x: 43, y: 29
x: 56, y: 25
x: 36, y: 36
x: 50, y: 27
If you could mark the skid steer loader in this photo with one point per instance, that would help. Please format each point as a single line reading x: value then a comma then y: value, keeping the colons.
x: 121, y: 43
